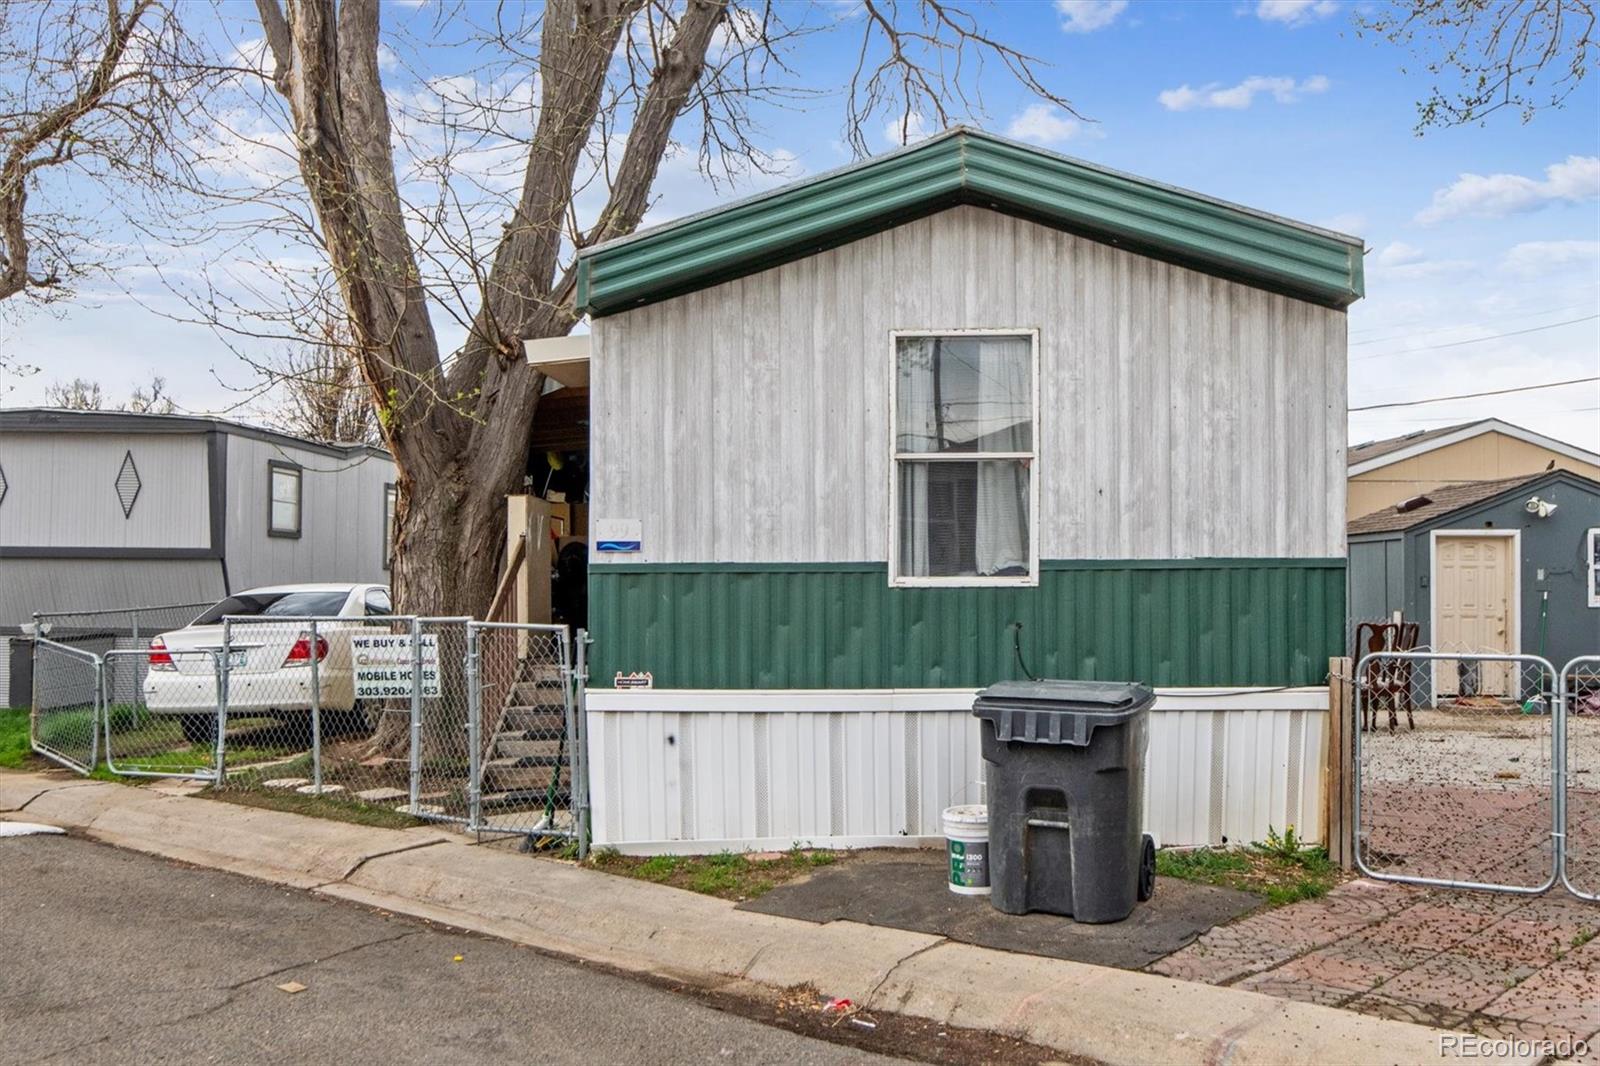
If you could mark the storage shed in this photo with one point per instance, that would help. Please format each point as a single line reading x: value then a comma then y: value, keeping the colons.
x: 867, y: 443
x: 1508, y: 565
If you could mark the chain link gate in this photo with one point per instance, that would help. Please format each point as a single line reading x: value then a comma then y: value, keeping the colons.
x: 1579, y: 766
x: 64, y: 720
x: 161, y: 714
x: 525, y: 732
x: 1457, y: 780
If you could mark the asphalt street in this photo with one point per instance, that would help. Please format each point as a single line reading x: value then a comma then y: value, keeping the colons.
x: 113, y: 956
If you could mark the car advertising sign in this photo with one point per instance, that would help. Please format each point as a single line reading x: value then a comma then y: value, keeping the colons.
x: 383, y: 663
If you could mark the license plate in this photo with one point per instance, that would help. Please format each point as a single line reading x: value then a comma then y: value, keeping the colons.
x: 237, y: 659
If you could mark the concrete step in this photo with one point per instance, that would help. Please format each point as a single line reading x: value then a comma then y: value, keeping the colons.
x: 505, y: 775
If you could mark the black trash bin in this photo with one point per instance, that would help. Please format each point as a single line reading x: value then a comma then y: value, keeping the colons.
x: 1066, y: 797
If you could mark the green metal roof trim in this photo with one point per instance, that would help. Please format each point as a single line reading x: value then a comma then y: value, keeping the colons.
x: 965, y: 166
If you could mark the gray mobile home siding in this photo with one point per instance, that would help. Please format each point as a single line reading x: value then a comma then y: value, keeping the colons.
x: 1377, y: 578
x: 341, y: 515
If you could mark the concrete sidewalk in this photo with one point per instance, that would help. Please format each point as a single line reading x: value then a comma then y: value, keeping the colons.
x: 1114, y: 1016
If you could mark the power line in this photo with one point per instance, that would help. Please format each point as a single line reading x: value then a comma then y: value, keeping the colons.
x: 1473, y: 395
x: 1441, y: 329
x: 1476, y: 340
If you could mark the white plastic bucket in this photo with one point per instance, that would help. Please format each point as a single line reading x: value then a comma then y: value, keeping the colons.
x: 966, y: 832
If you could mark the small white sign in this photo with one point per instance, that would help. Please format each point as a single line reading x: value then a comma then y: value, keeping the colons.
x: 635, y: 680
x: 383, y: 662
x: 618, y: 535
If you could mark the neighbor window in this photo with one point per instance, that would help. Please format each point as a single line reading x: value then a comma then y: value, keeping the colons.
x: 388, y: 526
x: 284, y: 502
x: 963, y: 458
x: 1593, y: 556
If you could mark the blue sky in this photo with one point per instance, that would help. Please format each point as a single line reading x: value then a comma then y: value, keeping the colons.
x: 1473, y: 232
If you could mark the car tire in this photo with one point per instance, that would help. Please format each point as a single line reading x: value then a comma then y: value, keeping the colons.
x: 198, y: 728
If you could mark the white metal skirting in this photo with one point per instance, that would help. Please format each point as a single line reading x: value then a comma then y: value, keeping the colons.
x: 677, y: 771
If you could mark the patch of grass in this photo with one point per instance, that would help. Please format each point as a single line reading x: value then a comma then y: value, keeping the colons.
x: 14, y: 749
x: 729, y: 875
x: 1280, y: 870
x: 338, y: 810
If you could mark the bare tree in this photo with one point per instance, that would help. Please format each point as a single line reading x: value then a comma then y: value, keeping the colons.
x: 1486, y: 55
x: 455, y: 210
x: 322, y: 393
x: 81, y: 394
x: 94, y: 102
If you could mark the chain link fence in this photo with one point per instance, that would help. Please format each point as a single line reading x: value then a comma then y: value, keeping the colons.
x: 1455, y: 760
x: 64, y: 723
x: 160, y: 712
x: 1580, y: 764
x: 113, y: 629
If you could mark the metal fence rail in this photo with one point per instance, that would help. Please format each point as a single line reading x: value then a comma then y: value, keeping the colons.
x: 1455, y: 759
x: 1579, y: 766
x: 64, y: 722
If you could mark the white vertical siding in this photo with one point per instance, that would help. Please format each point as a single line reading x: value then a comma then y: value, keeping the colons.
x: 700, y: 781
x: 62, y: 490
x: 341, y: 516
x: 1181, y: 415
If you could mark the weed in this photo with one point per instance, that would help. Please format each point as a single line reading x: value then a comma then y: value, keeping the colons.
x: 14, y: 747
x: 1584, y: 937
x: 1282, y: 870
x: 729, y: 875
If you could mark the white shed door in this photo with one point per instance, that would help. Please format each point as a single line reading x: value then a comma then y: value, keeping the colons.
x: 1474, y: 584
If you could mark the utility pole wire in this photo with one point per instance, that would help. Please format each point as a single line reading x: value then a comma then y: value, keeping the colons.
x: 1473, y: 395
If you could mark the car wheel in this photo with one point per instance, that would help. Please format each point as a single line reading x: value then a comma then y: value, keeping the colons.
x: 198, y: 728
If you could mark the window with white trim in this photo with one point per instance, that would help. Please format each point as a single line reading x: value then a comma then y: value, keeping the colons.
x: 964, y: 450
x: 283, y: 503
x: 1593, y: 556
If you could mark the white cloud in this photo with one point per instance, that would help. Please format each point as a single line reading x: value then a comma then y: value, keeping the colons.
x: 1532, y: 258
x: 1493, y: 195
x: 1043, y: 124
x: 907, y: 129
x: 1086, y: 16
x: 1399, y: 253
x: 1294, y: 12
x: 1346, y: 222
x: 1238, y: 97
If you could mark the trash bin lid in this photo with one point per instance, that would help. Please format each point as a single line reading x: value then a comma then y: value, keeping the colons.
x: 1053, y: 711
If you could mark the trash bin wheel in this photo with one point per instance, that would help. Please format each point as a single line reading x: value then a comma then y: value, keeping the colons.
x: 1147, y: 868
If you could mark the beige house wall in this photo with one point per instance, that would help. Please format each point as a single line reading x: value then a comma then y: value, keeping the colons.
x: 1482, y: 458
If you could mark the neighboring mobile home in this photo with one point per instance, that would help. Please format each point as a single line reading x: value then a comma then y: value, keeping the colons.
x: 849, y: 435
x: 104, y: 510
x: 1386, y: 472
x: 1483, y: 566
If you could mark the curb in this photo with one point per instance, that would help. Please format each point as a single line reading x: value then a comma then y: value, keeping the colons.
x: 1114, y: 1016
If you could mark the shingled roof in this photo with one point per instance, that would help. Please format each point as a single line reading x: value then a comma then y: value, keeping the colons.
x: 1439, y: 502
x: 1372, y: 449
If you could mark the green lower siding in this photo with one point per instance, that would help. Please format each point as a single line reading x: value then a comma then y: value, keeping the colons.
x: 1223, y: 622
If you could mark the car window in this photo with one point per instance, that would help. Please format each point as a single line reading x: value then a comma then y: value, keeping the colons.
x: 378, y: 602
x: 317, y: 603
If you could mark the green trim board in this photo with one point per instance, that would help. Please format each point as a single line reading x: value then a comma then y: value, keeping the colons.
x: 967, y: 166
x: 1179, y: 623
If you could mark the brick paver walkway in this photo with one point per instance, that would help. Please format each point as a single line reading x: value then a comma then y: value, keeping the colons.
x: 1501, y: 966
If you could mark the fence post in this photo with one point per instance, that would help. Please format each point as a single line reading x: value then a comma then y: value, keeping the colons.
x: 1339, y: 770
x: 580, y: 744
x: 134, y: 709
x: 316, y: 715
x: 222, y: 666
x: 474, y: 748
x: 416, y: 715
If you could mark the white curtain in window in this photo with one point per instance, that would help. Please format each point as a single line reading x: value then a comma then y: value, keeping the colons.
x: 915, y: 428
x: 1005, y: 392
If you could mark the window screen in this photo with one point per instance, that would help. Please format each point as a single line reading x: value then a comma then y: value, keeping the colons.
x: 285, y: 501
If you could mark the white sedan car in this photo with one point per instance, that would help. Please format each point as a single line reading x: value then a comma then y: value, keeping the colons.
x: 269, y: 667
